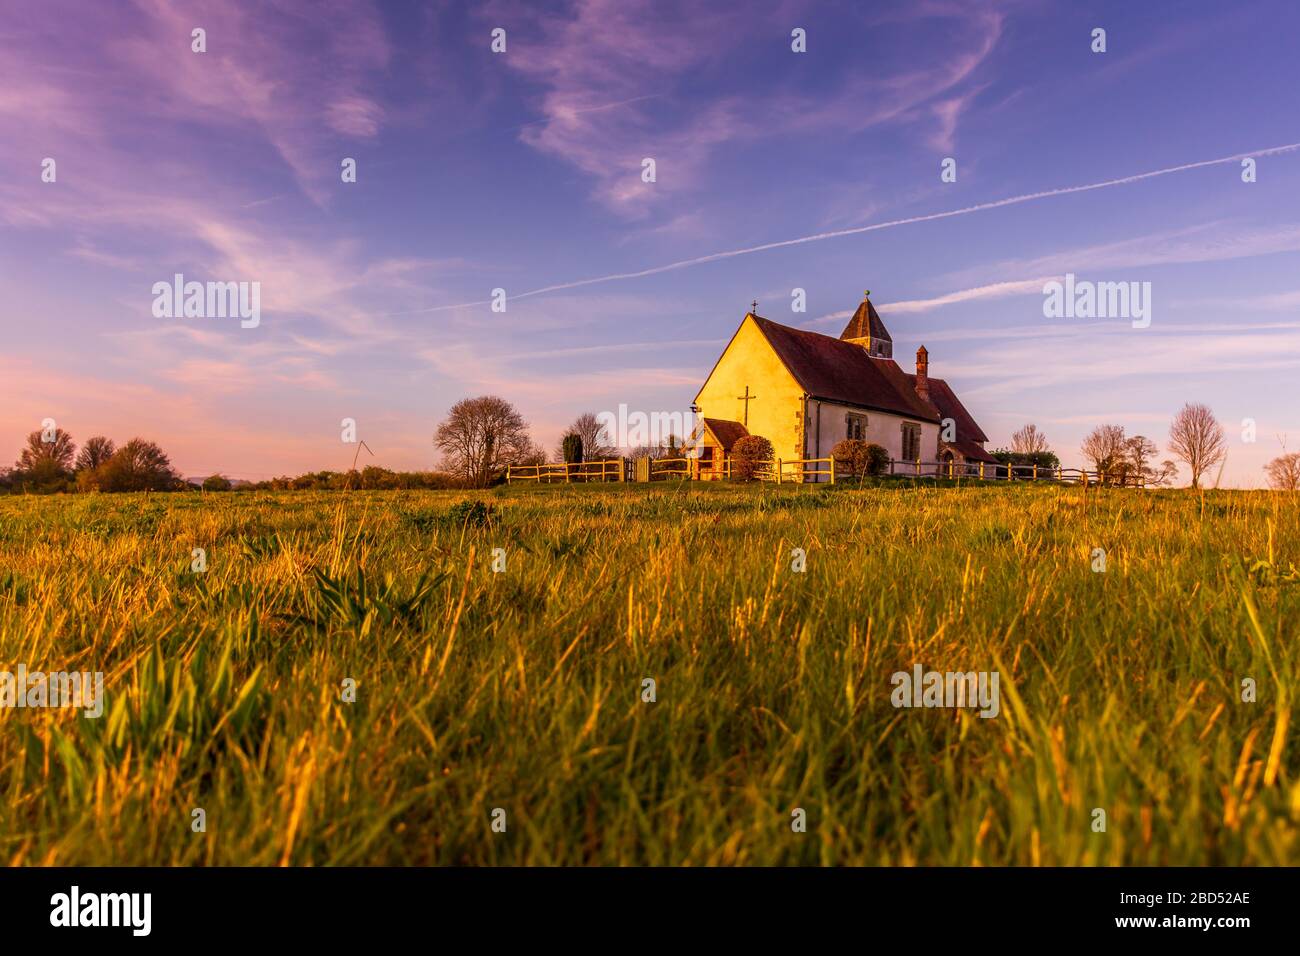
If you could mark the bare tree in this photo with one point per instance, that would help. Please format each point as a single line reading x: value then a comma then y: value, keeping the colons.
x: 57, y: 453
x: 1029, y: 441
x: 1197, y: 438
x: 1165, y: 474
x: 534, y: 455
x: 1140, y: 453
x: 596, y: 441
x: 1284, y: 472
x: 95, y: 452
x: 1106, y: 448
x: 480, y: 437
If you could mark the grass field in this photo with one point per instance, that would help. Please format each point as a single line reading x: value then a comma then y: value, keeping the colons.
x: 522, y: 690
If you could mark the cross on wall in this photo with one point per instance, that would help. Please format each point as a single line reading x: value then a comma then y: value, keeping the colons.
x: 746, y: 398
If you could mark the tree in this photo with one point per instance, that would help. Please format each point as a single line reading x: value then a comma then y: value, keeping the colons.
x: 45, y: 465
x: 571, y: 448
x: 480, y: 437
x: 1165, y: 474
x: 139, y: 465
x: 1028, y: 441
x: 1140, y: 453
x: 1105, y: 448
x: 58, y: 451
x: 1197, y: 438
x: 216, y: 483
x: 535, y: 455
x: 597, y: 444
x: 1284, y: 472
x: 95, y: 452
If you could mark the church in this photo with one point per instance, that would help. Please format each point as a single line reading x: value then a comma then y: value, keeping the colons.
x: 804, y: 391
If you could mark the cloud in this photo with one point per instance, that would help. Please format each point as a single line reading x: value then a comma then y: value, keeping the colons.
x: 639, y: 52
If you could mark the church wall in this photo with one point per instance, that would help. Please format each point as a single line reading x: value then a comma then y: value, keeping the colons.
x: 883, y: 429
x: 775, y: 412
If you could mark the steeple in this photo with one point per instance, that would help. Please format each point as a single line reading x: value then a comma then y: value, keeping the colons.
x: 866, y: 329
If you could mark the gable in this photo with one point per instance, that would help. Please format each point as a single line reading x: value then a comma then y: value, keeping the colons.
x: 747, y: 347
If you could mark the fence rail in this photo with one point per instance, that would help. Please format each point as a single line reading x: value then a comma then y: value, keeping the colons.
x: 610, y: 470
x: 809, y: 470
x: 989, y: 471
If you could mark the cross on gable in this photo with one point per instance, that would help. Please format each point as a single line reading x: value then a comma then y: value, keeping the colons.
x: 746, y: 398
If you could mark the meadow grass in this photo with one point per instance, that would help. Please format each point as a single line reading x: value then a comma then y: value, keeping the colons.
x: 522, y: 690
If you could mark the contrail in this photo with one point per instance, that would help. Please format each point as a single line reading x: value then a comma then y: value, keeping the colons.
x: 858, y: 230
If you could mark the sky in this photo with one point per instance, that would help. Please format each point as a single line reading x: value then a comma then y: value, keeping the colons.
x: 523, y: 170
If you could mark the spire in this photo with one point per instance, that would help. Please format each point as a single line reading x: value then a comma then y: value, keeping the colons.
x: 866, y: 329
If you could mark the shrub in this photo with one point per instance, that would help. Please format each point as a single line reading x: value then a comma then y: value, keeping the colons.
x: 858, y: 457
x: 747, y: 455
x: 216, y: 483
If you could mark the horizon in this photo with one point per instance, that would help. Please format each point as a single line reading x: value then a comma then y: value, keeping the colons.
x: 775, y: 171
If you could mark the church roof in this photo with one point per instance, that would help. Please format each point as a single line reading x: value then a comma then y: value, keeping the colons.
x: 945, y: 401
x: 971, y: 451
x: 839, y: 371
x: 726, y: 432
x: 866, y: 322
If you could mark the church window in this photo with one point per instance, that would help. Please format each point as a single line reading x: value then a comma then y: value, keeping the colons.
x: 911, y: 441
x: 856, y: 426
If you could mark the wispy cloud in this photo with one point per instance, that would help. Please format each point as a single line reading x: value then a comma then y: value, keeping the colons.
x: 638, y: 50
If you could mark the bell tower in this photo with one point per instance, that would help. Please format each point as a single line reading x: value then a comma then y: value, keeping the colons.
x: 866, y: 329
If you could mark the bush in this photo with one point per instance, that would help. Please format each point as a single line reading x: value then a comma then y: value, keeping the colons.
x: 748, y: 454
x: 858, y: 457
x: 216, y: 483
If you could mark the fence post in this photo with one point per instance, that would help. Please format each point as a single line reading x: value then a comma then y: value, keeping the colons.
x: 778, y: 471
x: 918, y: 468
x: 507, y: 474
x: 832, y: 469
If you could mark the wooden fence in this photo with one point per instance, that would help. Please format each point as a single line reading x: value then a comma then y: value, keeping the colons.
x: 611, y: 470
x: 809, y: 470
x: 989, y: 471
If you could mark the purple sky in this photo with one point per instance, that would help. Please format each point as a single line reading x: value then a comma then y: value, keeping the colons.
x: 522, y: 171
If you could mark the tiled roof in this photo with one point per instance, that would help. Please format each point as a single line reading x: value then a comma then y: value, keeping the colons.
x: 839, y: 371
x: 866, y: 322
x: 726, y: 432
x: 971, y: 451
x: 945, y: 401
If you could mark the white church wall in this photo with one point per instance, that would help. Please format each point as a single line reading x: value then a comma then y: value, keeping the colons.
x: 883, y: 429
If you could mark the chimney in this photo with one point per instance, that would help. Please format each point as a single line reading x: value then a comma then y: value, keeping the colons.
x: 922, y: 373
